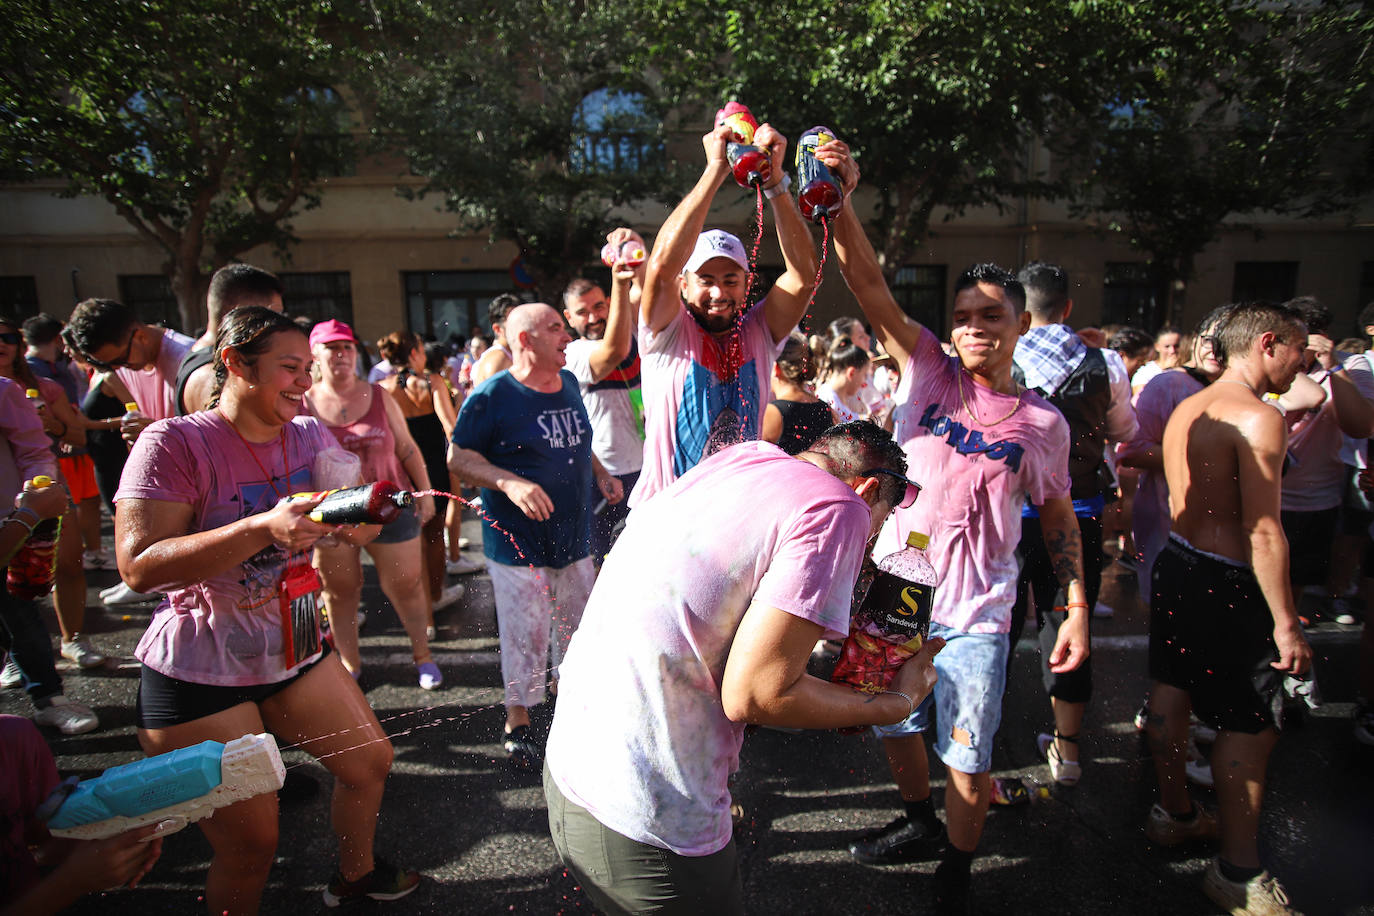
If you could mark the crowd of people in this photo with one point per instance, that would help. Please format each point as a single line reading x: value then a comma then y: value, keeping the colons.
x: 678, y: 486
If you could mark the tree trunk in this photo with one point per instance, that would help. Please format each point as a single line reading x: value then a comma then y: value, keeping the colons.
x: 189, y: 285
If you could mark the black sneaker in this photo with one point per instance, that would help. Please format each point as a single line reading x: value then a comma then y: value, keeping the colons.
x: 522, y: 750
x: 951, y: 890
x: 384, y: 882
x: 899, y: 841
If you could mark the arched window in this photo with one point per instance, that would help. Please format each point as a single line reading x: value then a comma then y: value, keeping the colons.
x: 615, y: 131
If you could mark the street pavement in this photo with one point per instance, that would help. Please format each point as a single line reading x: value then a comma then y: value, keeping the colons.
x: 476, y: 829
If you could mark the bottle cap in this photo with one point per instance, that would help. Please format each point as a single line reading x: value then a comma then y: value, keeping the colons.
x: 130, y: 406
x: 31, y: 393
x: 918, y: 540
x: 42, y: 481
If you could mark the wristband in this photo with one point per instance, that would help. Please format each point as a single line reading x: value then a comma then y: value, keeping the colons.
x: 911, y: 707
x: 782, y: 187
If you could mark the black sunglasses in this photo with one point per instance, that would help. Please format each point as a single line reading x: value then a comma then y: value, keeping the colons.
x: 120, y: 360
x: 911, y: 489
x: 13, y: 338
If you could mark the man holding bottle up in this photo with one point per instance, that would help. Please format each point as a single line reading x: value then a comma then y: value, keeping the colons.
x: 981, y: 445
x: 707, y: 353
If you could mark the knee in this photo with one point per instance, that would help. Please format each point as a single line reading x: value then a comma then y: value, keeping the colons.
x: 366, y: 767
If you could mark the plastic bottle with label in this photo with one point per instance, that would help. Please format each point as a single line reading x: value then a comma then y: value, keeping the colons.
x: 892, y: 620
x: 818, y: 194
x: 370, y: 504
x: 30, y: 572
x: 749, y: 164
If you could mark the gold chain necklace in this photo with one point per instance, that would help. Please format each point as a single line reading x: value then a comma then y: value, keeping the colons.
x: 973, y: 416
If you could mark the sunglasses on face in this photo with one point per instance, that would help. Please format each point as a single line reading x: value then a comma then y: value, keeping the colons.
x: 911, y: 489
x: 12, y: 338
x: 120, y: 360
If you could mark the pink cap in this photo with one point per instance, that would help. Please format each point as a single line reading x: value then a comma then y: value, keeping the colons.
x: 330, y: 331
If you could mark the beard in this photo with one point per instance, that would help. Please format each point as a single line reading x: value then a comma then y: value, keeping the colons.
x: 713, y: 324
x: 594, y: 330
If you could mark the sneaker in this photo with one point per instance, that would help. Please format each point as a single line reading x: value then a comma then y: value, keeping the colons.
x: 465, y: 567
x: 1345, y: 610
x: 1103, y: 610
x: 122, y: 594
x: 521, y: 748
x: 430, y: 633
x: 64, y: 715
x: 450, y: 596
x: 1262, y: 895
x: 1008, y: 791
x: 1065, y: 772
x: 430, y: 675
x: 12, y: 676
x: 1364, y: 723
x: 464, y: 543
x: 1197, y: 767
x: 899, y: 841
x: 384, y: 882
x: 97, y: 559
x: 1163, y: 829
x: 1200, y: 731
x: 79, y: 650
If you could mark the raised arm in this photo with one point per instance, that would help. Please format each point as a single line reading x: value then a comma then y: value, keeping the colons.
x: 786, y: 302
x: 1259, y: 464
x: 614, y: 345
x: 859, y: 264
x: 678, y: 236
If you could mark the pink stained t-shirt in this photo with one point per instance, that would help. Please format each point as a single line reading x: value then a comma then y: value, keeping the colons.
x: 1150, y: 519
x: 688, y: 408
x: 1317, y: 477
x: 154, y: 388
x: 975, y: 478
x: 371, y: 439
x: 227, y: 629
x: 25, y: 450
x: 640, y: 738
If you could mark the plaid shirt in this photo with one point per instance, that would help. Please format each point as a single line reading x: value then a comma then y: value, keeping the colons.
x: 1048, y: 355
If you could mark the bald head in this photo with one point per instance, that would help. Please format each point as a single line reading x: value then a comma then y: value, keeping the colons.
x: 525, y: 318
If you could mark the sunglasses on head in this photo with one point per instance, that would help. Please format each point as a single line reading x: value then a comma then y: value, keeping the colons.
x: 911, y: 489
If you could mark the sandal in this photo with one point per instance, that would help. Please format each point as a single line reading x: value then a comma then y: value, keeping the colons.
x: 1065, y: 772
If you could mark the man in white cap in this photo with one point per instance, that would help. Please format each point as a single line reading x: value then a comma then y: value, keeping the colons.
x: 706, y: 351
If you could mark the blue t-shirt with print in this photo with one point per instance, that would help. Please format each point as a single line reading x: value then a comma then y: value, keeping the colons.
x: 546, y: 439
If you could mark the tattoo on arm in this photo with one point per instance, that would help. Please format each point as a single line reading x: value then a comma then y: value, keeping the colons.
x: 1065, y: 548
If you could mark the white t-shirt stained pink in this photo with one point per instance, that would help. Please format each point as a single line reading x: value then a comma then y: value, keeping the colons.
x: 689, y: 408
x: 975, y: 478
x: 640, y: 738
x: 227, y: 629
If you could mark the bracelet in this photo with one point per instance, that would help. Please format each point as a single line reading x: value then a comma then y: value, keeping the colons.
x: 911, y: 707
x: 782, y: 187
x: 14, y: 517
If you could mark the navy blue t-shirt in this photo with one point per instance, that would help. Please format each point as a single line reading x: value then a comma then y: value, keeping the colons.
x: 547, y: 439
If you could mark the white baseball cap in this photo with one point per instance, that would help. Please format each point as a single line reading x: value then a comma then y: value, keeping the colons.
x: 717, y: 243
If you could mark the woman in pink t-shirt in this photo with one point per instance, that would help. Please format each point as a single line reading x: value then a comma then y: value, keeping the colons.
x: 366, y: 421
x: 201, y: 517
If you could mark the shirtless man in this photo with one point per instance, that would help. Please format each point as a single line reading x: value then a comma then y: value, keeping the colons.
x: 1224, y: 628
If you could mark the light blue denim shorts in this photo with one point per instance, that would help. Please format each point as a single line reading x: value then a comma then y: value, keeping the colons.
x: 972, y: 671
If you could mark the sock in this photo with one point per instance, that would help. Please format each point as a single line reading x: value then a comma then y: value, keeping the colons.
x: 923, y: 812
x: 1235, y: 872
x: 955, y: 861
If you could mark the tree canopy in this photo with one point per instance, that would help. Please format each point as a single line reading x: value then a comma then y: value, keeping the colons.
x: 207, y: 125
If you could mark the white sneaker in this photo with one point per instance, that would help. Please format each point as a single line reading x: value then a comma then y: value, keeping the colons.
x: 97, y: 559
x: 79, y: 650
x: 66, y: 716
x: 1197, y: 767
x: 11, y: 676
x: 464, y: 543
x: 1262, y: 895
x: 430, y: 676
x: 464, y: 567
x: 122, y: 594
x: 450, y: 596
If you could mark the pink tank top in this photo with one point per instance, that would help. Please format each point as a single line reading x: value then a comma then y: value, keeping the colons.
x: 370, y: 438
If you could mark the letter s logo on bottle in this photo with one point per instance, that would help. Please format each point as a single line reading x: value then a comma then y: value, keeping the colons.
x: 911, y: 601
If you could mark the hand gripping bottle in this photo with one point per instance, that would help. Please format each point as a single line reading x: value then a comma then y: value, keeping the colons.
x: 749, y: 164
x: 630, y: 251
x: 892, y: 620
x: 819, y: 196
x: 31, y: 568
x: 131, y: 410
x: 370, y: 504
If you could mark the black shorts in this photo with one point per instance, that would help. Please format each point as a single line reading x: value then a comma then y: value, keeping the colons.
x: 1211, y: 634
x: 1310, y: 536
x: 166, y: 701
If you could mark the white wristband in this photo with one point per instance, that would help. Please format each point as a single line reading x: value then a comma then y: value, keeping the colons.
x: 782, y: 187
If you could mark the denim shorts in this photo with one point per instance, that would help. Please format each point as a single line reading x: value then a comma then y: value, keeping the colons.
x: 402, y: 528
x: 972, y: 672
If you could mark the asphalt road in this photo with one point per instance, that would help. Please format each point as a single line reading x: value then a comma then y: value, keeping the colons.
x: 477, y: 830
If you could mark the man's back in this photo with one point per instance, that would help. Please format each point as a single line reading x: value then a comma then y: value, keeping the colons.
x: 1213, y: 446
